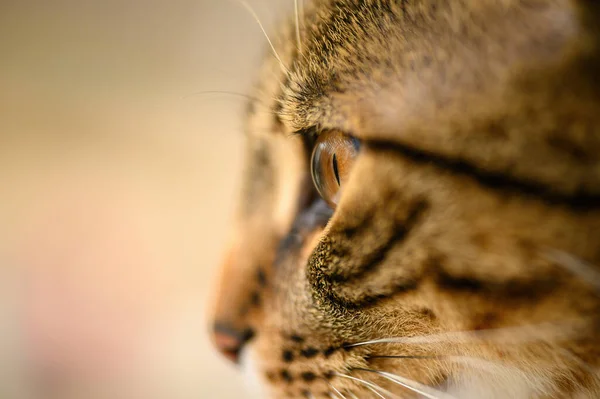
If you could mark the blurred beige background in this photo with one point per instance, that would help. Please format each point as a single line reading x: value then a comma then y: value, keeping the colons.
x: 117, y: 183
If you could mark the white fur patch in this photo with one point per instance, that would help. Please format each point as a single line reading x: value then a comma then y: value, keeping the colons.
x: 483, y: 379
x: 250, y: 372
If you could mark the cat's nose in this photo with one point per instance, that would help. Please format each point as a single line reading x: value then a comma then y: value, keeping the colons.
x: 237, y: 306
x: 230, y: 341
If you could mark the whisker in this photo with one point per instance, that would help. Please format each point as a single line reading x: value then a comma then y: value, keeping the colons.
x: 411, y: 385
x: 520, y: 334
x: 255, y: 100
x: 247, y: 6
x: 373, y: 387
x: 298, y: 26
x: 338, y: 393
x: 376, y: 393
x: 404, y: 357
x: 352, y: 395
x: 229, y: 93
x: 480, y: 363
x: 575, y: 265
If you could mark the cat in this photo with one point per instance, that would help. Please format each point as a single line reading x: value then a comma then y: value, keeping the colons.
x: 420, y: 213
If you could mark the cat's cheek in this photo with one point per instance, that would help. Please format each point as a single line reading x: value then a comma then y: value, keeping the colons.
x: 290, y: 175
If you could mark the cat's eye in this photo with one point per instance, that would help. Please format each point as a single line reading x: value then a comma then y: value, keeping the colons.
x: 332, y: 158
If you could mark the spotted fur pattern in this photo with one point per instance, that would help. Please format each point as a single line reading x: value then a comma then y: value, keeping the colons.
x: 467, y: 238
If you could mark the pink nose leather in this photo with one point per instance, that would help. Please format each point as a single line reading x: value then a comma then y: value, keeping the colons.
x: 229, y: 341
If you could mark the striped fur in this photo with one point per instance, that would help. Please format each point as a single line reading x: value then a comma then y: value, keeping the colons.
x: 480, y: 161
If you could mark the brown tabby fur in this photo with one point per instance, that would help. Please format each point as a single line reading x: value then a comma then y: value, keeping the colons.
x: 475, y: 195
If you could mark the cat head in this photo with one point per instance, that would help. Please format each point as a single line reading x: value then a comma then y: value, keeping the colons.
x: 421, y: 206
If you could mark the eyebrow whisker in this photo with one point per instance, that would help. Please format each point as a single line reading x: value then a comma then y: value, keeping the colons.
x: 247, y: 6
x: 298, y: 39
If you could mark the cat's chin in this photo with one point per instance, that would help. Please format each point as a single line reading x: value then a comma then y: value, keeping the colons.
x: 251, y: 375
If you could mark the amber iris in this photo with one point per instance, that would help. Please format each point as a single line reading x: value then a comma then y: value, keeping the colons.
x: 332, y: 158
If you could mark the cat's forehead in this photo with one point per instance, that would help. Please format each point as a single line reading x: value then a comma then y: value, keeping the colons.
x: 354, y: 65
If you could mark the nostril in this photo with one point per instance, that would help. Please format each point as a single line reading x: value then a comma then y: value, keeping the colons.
x: 230, y: 341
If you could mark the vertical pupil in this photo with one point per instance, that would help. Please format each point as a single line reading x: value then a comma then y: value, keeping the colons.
x: 335, y: 170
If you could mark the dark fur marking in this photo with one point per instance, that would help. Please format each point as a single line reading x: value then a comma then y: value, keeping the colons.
x: 401, y: 231
x: 371, y: 300
x: 296, y: 338
x: 324, y: 287
x: 329, y: 351
x: 428, y: 313
x: 308, y: 376
x: 347, y: 346
x: 564, y: 146
x: 286, y: 376
x: 491, y: 179
x: 255, y: 298
x: 505, y: 290
x: 261, y: 277
x: 287, y: 356
x: 350, y: 231
x: 403, y: 8
x: 309, y: 352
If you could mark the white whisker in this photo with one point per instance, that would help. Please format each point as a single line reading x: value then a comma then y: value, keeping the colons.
x: 376, y: 393
x: 414, y: 386
x: 352, y: 395
x: 575, y: 265
x: 338, y: 393
x: 298, y: 26
x: 373, y: 387
x: 407, y: 357
x: 255, y: 100
x: 526, y: 333
x: 255, y: 16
